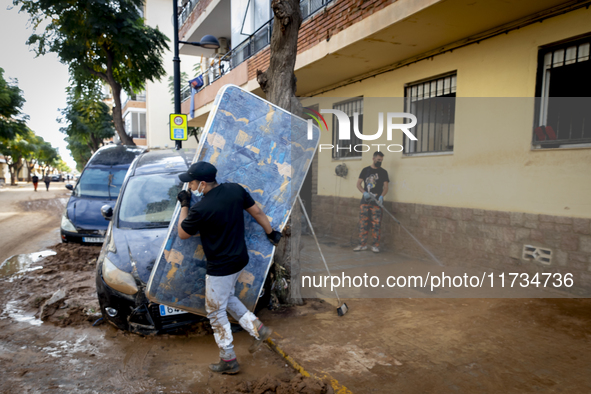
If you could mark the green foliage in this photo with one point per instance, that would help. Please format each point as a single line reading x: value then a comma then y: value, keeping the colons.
x: 17, y: 149
x: 12, y: 120
x: 62, y: 166
x: 88, y: 120
x: 19, y: 144
x: 80, y: 152
x: 100, y: 39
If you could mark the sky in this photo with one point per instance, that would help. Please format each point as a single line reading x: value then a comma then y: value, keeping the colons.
x: 42, y: 79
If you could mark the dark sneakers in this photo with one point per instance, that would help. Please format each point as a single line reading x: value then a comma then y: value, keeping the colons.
x: 264, y: 333
x: 229, y: 367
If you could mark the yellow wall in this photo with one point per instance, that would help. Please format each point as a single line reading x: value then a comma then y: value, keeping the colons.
x: 492, y: 166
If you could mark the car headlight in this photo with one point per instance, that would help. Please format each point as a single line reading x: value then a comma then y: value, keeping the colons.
x: 67, y: 224
x: 117, y: 279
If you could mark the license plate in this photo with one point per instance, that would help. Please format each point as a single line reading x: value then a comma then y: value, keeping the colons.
x: 168, y: 311
x: 95, y: 240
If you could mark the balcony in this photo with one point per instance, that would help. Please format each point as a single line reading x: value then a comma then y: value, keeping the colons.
x: 338, y: 46
x: 204, y: 17
x: 135, y: 97
x: 260, y: 39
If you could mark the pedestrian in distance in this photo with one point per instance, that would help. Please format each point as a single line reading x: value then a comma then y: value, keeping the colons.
x: 47, y: 181
x: 35, y: 180
x: 219, y: 219
x: 375, y: 187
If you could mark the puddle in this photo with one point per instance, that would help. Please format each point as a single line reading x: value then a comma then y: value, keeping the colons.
x: 21, y: 263
x: 16, y: 314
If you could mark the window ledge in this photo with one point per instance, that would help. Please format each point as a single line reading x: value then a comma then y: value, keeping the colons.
x: 427, y: 154
x: 538, y: 148
x: 347, y: 158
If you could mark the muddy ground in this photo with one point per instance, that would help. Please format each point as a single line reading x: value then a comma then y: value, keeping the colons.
x: 48, y: 305
x: 48, y: 343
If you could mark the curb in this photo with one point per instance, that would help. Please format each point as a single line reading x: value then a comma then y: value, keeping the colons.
x: 337, y: 387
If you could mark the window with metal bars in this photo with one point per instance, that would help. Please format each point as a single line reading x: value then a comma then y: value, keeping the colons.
x: 433, y: 102
x: 563, y: 88
x: 345, y: 148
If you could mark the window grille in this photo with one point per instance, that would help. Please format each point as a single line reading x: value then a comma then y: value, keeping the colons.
x: 563, y: 90
x: 346, y: 148
x: 433, y: 102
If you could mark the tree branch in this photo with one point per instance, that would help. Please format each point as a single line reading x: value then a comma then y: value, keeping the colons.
x: 99, y: 74
x: 263, y: 80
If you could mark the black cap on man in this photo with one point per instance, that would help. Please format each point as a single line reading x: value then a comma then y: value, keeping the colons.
x: 200, y: 171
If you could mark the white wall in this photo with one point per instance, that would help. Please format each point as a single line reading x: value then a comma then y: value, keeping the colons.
x: 159, y: 104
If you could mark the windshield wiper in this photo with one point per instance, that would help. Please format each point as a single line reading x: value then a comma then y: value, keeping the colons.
x: 109, y: 185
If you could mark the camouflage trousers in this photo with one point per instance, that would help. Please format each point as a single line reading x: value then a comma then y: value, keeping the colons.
x: 370, y: 218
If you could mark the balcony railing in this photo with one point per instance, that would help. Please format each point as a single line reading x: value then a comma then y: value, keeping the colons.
x: 186, y: 11
x: 135, y: 97
x: 223, y: 64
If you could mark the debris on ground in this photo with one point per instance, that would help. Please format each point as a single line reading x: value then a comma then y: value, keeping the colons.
x: 59, y: 289
x: 285, y: 384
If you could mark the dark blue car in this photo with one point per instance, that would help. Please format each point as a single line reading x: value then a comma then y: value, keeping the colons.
x: 98, y: 185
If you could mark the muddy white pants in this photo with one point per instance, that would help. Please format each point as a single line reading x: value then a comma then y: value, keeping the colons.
x: 219, y: 297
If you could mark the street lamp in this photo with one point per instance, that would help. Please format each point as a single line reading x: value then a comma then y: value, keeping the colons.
x: 208, y: 42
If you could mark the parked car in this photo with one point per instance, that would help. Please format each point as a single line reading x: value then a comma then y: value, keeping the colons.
x: 57, y: 178
x: 138, y: 226
x: 98, y: 185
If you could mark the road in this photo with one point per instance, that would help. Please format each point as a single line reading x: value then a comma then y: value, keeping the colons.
x: 68, y: 354
x: 406, y: 345
x: 29, y: 220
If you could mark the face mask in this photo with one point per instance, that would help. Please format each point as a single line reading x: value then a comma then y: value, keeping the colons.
x: 197, y: 193
x: 378, y: 164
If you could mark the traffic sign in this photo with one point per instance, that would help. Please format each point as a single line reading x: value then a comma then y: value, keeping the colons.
x: 178, y: 127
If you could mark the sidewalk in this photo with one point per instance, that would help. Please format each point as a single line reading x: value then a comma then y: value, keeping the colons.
x: 410, y: 345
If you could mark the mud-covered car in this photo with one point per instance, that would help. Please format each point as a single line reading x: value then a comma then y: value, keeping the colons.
x: 138, y: 227
x: 98, y: 185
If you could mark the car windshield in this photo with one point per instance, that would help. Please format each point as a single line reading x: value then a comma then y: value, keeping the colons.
x: 100, y: 182
x: 149, y: 201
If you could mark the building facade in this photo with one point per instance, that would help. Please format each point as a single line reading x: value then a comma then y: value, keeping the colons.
x: 501, y: 160
x: 158, y: 100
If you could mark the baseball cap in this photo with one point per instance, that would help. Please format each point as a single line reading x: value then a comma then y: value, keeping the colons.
x: 200, y: 171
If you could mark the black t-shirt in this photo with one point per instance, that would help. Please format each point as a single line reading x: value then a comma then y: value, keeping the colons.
x: 373, y: 181
x: 219, y: 218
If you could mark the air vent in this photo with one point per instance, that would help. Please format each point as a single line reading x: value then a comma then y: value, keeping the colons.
x: 536, y: 253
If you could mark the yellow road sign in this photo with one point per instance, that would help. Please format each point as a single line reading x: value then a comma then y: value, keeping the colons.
x: 178, y: 127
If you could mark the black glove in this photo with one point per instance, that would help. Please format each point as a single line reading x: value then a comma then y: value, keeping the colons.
x: 185, y: 198
x: 274, y: 237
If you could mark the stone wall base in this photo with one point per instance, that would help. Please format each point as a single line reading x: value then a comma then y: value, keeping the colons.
x: 468, y: 237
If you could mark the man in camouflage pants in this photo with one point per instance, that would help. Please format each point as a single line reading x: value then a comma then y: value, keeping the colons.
x: 375, y: 182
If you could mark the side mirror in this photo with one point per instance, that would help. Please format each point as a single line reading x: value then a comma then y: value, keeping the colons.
x: 69, y: 187
x: 107, y: 212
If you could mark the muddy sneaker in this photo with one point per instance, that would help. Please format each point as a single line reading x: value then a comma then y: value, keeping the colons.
x: 264, y: 333
x: 360, y: 248
x: 375, y: 249
x: 229, y: 367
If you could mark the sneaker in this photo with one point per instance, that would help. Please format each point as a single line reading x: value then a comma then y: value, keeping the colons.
x: 375, y: 249
x: 264, y: 333
x: 360, y: 248
x: 229, y: 367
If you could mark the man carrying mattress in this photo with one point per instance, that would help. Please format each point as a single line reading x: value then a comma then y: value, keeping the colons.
x: 219, y: 219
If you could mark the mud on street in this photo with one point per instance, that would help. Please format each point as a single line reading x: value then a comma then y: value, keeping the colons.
x: 48, y: 342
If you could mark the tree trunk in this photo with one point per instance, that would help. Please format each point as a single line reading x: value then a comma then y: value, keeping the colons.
x: 13, y: 174
x: 279, y: 85
x: 118, y: 114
